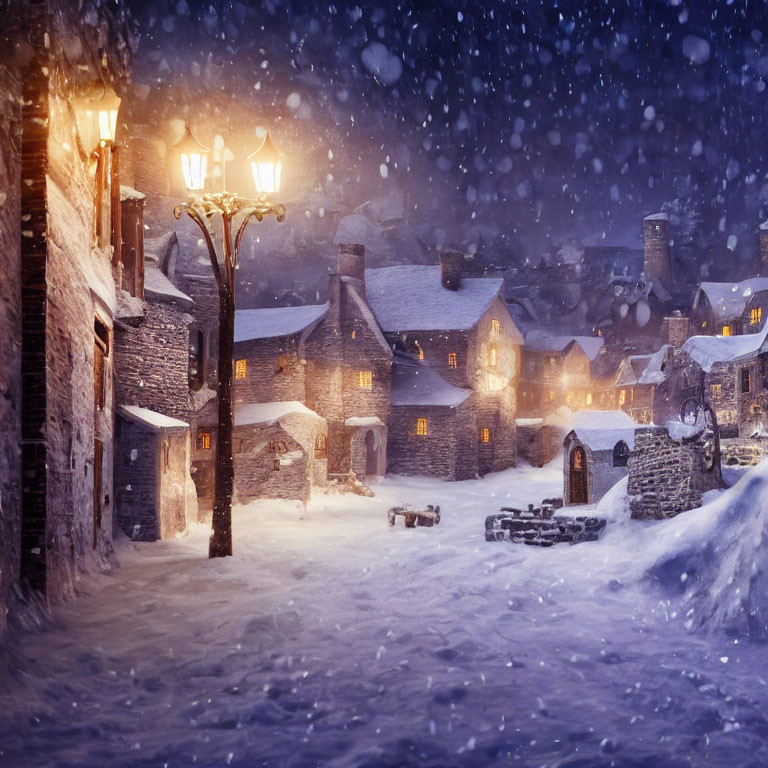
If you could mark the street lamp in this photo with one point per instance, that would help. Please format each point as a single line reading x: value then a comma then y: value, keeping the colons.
x: 235, y: 212
x: 96, y: 114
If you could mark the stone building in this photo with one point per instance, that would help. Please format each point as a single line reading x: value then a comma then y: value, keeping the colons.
x: 637, y: 379
x: 595, y: 454
x: 730, y: 309
x: 58, y: 214
x: 152, y: 492
x: 281, y: 451
x: 461, y: 329
x: 540, y: 439
x: 657, y: 257
x: 557, y: 371
x: 152, y: 385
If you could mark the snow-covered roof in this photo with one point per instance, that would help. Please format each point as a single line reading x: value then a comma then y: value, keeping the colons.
x: 363, y: 421
x: 544, y: 341
x: 601, y: 430
x: 152, y: 419
x: 268, y: 413
x: 708, y: 350
x: 412, y: 298
x: 728, y: 300
x: 764, y: 226
x: 276, y: 321
x: 658, y: 217
x: 157, y: 285
x: 644, y: 369
x: 129, y: 193
x: 415, y: 384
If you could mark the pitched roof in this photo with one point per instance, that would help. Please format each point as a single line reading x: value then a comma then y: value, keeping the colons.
x: 276, y: 321
x: 601, y: 430
x: 158, y: 286
x: 417, y: 384
x: 268, y: 413
x: 708, y: 350
x: 411, y: 297
x: 152, y: 419
x: 544, y: 341
x: 644, y: 369
x: 728, y: 300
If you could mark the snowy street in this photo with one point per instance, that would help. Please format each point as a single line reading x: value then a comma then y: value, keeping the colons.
x: 334, y: 640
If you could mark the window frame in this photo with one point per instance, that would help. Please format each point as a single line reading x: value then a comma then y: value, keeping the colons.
x: 422, y: 426
x: 485, y: 435
x: 241, y: 368
x: 365, y: 379
x: 203, y: 440
x: 453, y: 360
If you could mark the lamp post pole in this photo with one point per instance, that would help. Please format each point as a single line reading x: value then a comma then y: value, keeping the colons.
x: 235, y: 213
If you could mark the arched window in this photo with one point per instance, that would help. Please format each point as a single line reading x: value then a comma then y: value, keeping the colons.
x: 620, y: 454
x: 196, y: 359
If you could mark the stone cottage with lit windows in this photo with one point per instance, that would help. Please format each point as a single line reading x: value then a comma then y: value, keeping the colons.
x: 444, y: 404
x: 730, y: 309
x: 556, y: 372
x: 637, y: 379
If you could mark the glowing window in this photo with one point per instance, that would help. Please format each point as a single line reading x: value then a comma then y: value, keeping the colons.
x: 365, y: 379
x: 755, y: 315
x: 321, y: 447
x: 493, y: 355
x: 204, y: 441
x: 622, y: 396
x: 354, y: 334
x: 485, y: 435
x: 240, y: 369
x: 726, y: 330
x: 495, y: 326
x: 589, y: 398
x: 421, y: 426
x: 419, y: 350
x: 452, y: 360
x: 717, y: 389
x: 551, y: 394
x: 577, y: 464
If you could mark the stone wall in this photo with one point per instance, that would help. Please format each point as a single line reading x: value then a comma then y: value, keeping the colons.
x: 277, y: 461
x: 743, y: 451
x: 152, y: 359
x: 668, y: 476
x: 274, y: 371
x: 721, y: 385
x: 136, y: 501
x: 10, y: 331
x: 538, y: 444
x: 447, y: 451
x: 657, y: 261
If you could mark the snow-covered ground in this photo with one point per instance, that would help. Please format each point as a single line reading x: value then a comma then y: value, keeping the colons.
x: 333, y: 640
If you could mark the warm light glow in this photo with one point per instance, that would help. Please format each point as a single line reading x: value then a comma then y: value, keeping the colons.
x: 493, y: 355
x: 589, y: 398
x: 452, y: 362
x: 365, y: 379
x: 755, y: 315
x: 240, y: 369
x: 421, y: 426
x: 495, y: 326
x: 204, y: 441
x: 496, y: 383
x: 267, y: 167
x: 194, y: 161
x: 485, y: 435
x: 726, y: 330
x: 96, y: 114
x: 622, y: 396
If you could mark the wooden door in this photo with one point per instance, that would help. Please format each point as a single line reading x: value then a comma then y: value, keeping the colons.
x: 578, y: 476
x: 371, y: 454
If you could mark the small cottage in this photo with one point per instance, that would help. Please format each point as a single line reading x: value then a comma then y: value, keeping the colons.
x: 280, y: 451
x: 595, y: 454
x: 151, y: 471
x: 730, y: 309
x: 637, y: 379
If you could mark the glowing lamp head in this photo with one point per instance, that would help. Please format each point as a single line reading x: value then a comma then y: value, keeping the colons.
x: 266, y: 165
x: 97, y: 116
x: 194, y: 161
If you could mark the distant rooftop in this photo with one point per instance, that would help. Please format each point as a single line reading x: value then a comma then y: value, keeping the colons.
x: 545, y: 341
x: 157, y: 285
x: 412, y: 298
x: 728, y: 300
x: 276, y: 321
x: 709, y: 350
x: 644, y: 369
x: 657, y: 217
x: 601, y: 430
x: 268, y: 413
x: 148, y: 418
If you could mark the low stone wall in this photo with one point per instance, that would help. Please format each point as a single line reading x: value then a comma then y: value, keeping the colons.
x: 668, y: 476
x: 743, y: 451
x: 539, y: 444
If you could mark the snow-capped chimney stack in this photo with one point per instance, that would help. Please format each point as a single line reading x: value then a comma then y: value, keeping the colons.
x: 676, y: 328
x: 764, y: 248
x: 657, y: 260
x: 352, y: 261
x: 451, y: 269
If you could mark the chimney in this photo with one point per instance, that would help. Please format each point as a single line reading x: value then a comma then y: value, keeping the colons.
x: 764, y: 248
x: 451, y: 269
x: 676, y: 328
x: 352, y: 261
x: 657, y: 261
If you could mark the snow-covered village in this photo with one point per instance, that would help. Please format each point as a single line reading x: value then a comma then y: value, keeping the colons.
x: 384, y: 384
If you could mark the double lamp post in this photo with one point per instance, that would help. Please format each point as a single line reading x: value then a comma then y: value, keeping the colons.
x: 235, y: 212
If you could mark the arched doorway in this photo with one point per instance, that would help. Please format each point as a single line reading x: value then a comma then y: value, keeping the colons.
x: 578, y: 484
x: 371, y: 454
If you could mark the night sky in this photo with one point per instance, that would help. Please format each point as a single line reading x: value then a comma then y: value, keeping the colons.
x: 509, y: 126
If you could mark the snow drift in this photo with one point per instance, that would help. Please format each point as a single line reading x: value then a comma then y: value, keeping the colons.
x: 716, y: 557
